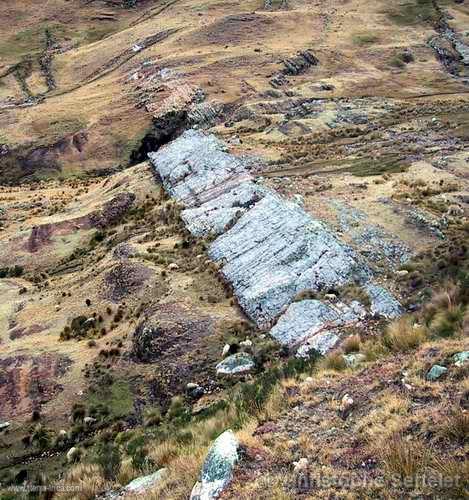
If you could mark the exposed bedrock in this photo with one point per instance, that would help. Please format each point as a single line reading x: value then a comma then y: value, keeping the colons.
x: 268, y: 248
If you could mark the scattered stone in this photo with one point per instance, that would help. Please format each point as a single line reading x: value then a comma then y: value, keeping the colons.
x: 401, y: 273
x: 4, y: 425
x: 226, y: 350
x: 235, y: 364
x: 460, y: 358
x: 173, y: 266
x: 301, y: 466
x: 246, y: 343
x: 217, y: 471
x: 435, y: 372
x: 346, y: 406
x: 144, y: 483
x: 353, y: 360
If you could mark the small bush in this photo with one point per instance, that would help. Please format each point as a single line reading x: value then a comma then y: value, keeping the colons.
x: 107, y: 455
x: 351, y: 344
x: 403, y: 335
x: 152, y: 416
x: 334, y: 361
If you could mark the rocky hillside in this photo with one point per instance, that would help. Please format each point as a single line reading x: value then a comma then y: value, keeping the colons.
x: 233, y: 249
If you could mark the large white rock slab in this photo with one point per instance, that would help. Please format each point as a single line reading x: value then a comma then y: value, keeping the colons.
x: 217, y: 471
x: 303, y: 320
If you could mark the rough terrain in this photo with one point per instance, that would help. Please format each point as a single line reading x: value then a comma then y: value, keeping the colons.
x: 201, y: 203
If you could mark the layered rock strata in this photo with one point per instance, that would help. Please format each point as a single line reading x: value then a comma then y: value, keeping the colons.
x: 268, y: 248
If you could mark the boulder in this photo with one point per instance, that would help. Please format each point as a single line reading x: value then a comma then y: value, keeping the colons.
x: 435, y: 372
x: 73, y: 455
x: 382, y: 302
x: 354, y: 359
x: 236, y: 364
x: 460, y: 358
x: 144, y: 483
x: 217, y: 471
x: 303, y: 320
x: 4, y: 425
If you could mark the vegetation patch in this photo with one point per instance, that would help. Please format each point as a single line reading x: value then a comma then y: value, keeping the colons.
x: 412, y: 12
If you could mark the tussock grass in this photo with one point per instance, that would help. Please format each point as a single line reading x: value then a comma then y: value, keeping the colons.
x: 85, y: 481
x: 402, y: 457
x: 403, y: 335
x: 456, y: 425
x: 333, y: 361
x: 351, y: 344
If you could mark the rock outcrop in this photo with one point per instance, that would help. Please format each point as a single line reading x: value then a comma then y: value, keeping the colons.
x: 267, y: 248
x: 217, y: 470
x: 236, y: 364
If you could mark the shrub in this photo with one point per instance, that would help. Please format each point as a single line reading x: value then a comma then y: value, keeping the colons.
x: 107, y: 455
x: 151, y: 417
x: 351, y: 344
x: 403, y: 335
x: 334, y: 361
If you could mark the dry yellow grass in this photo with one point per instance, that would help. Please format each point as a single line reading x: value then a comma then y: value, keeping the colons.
x: 404, y: 335
x: 386, y: 416
x: 84, y: 482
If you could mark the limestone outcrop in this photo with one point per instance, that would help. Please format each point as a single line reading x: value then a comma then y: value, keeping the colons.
x: 267, y: 247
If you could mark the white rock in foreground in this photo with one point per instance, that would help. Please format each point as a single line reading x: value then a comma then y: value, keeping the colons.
x: 217, y: 471
x: 144, y: 483
x: 235, y: 364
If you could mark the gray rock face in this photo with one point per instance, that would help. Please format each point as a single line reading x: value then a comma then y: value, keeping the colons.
x: 322, y: 342
x: 382, y: 302
x: 435, y: 372
x: 217, y: 471
x: 235, y: 364
x: 275, y: 251
x: 303, y: 320
x: 144, y: 483
x: 216, y: 216
x: 268, y: 248
x: 196, y: 168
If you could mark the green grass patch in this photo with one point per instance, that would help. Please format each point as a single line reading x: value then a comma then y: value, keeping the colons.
x: 117, y: 398
x: 365, y: 39
x: 367, y: 166
x: 412, y: 12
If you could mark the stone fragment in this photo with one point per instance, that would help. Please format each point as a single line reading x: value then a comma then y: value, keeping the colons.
x: 235, y: 364
x: 217, y: 471
x: 435, y: 372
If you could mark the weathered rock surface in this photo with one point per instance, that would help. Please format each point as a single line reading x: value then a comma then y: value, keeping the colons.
x: 268, y: 248
x: 195, y: 168
x: 275, y: 251
x: 322, y: 342
x: 217, y: 470
x: 382, y: 302
x: 460, y: 358
x: 144, y: 483
x: 305, y: 319
x: 235, y: 364
x: 435, y: 372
